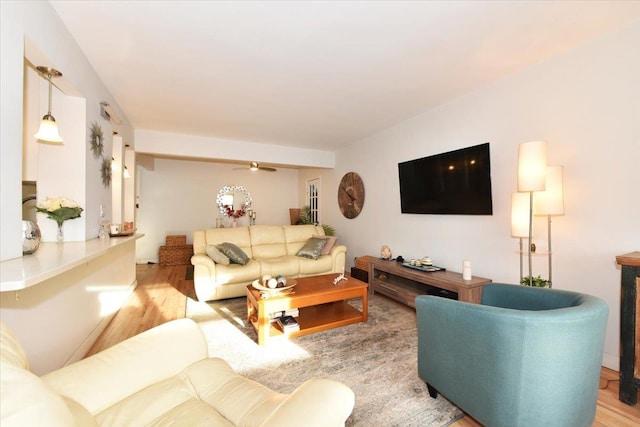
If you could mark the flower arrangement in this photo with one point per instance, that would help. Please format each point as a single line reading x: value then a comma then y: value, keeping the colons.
x: 59, y: 209
x: 228, y: 210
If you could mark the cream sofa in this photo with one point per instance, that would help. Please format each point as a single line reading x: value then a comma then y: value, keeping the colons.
x: 272, y: 250
x: 161, y: 377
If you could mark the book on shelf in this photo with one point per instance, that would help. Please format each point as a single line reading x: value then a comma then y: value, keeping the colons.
x: 288, y: 323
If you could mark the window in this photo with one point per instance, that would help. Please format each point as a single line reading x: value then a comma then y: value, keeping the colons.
x: 313, y: 199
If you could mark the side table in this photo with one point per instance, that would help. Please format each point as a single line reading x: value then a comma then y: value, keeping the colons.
x: 629, y: 328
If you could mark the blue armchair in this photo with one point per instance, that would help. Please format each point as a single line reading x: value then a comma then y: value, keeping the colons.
x: 523, y: 357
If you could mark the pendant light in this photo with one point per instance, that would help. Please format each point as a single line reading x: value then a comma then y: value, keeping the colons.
x: 48, y: 132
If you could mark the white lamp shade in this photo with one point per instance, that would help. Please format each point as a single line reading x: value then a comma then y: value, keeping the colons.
x: 519, y: 214
x: 551, y: 200
x: 532, y: 166
x: 48, y: 131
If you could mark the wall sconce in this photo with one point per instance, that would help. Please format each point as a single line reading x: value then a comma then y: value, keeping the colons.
x: 109, y: 114
x: 48, y: 132
x: 532, y: 171
x: 550, y: 202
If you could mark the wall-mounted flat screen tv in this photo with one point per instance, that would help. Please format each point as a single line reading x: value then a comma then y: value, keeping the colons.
x: 457, y: 182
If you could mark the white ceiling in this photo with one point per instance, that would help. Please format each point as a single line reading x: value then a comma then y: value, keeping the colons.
x: 315, y: 74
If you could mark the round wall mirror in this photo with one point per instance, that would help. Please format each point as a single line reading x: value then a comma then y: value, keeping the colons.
x: 233, y: 201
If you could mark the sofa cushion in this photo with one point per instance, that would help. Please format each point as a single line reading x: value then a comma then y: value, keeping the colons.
x: 267, y: 241
x: 312, y: 248
x: 216, y: 255
x: 239, y: 236
x: 234, y: 273
x: 288, y: 266
x: 81, y: 415
x: 28, y: 401
x: 234, y: 253
x: 297, y: 235
x: 311, y: 267
x: 331, y: 241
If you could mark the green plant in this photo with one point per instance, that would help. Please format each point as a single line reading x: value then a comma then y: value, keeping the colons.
x: 305, y: 218
x: 536, y: 282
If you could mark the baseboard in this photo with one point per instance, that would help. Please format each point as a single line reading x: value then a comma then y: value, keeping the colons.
x: 88, y: 342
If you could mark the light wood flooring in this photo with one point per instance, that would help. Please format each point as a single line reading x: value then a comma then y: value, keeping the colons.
x: 161, y: 295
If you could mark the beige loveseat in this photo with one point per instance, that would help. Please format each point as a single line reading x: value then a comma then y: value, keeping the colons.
x: 161, y: 377
x: 272, y: 250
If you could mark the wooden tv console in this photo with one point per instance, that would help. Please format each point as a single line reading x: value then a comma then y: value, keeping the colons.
x: 404, y: 284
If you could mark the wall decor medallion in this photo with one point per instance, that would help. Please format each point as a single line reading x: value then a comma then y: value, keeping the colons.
x: 351, y: 195
x: 96, y: 140
x: 105, y: 172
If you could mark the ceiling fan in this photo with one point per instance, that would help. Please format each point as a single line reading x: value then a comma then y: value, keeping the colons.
x: 255, y: 166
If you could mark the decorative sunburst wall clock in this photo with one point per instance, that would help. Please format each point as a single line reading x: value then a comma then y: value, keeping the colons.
x: 105, y: 171
x: 96, y: 140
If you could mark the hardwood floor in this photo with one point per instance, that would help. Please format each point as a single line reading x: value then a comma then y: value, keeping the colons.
x: 161, y: 295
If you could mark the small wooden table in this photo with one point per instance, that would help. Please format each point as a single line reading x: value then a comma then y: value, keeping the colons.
x: 322, y: 305
x: 629, y: 327
x: 404, y: 284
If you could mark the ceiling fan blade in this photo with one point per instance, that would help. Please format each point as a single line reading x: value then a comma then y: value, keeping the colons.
x: 267, y: 169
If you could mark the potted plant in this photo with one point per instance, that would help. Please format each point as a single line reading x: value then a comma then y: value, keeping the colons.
x: 305, y: 218
x: 537, y: 282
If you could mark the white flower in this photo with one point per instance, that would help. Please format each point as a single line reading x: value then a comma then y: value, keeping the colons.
x: 51, y: 204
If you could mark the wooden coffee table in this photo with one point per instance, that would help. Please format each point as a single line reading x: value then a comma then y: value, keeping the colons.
x: 322, y: 306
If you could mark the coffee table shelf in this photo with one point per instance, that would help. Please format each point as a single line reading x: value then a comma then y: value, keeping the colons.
x: 321, y: 304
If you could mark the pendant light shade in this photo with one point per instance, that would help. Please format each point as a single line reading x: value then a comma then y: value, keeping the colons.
x: 48, y: 132
x: 532, y: 166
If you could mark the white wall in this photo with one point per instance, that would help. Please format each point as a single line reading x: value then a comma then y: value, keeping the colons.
x: 58, y: 320
x: 62, y: 314
x: 586, y: 104
x: 34, y: 30
x: 179, y: 197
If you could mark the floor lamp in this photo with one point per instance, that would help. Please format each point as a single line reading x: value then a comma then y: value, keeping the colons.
x: 532, y: 171
x: 550, y: 202
x: 520, y: 221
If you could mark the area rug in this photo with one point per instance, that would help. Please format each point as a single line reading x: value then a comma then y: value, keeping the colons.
x: 377, y: 360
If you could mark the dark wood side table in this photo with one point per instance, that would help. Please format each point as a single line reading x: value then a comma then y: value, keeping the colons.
x: 629, y: 328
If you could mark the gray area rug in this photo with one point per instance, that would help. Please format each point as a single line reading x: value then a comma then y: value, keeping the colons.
x: 377, y: 360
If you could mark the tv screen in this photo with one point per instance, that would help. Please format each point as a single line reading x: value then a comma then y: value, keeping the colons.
x: 457, y: 182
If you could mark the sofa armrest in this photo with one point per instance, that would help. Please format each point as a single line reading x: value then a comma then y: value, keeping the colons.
x: 204, y: 261
x: 339, y: 258
x: 105, y: 378
x: 315, y: 403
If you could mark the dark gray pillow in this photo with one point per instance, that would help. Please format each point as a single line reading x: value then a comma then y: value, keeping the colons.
x: 216, y: 255
x: 235, y: 254
x: 312, y: 248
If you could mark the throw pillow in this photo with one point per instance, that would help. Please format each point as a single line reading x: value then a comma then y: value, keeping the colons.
x: 235, y: 254
x: 216, y: 255
x: 331, y: 241
x: 312, y: 248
